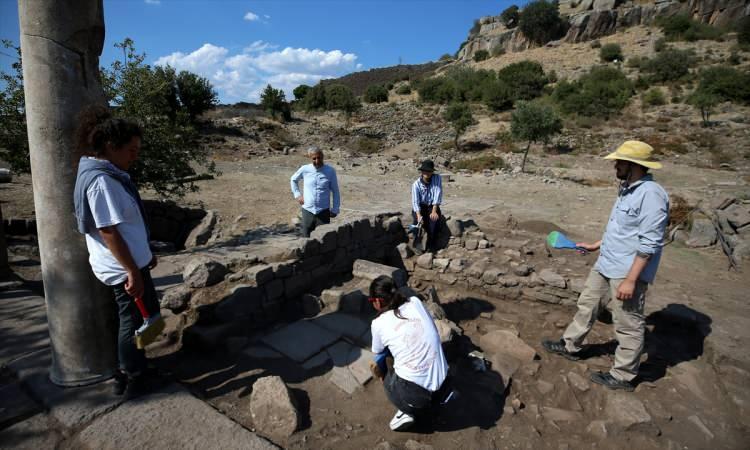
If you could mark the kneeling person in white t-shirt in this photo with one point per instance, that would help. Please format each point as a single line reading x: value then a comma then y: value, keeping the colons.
x: 404, y: 328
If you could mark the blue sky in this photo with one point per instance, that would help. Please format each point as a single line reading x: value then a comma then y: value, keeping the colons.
x: 242, y: 45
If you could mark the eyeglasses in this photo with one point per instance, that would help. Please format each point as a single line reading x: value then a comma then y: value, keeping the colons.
x: 375, y: 299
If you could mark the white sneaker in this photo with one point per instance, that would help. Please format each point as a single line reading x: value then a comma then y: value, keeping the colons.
x: 401, y: 421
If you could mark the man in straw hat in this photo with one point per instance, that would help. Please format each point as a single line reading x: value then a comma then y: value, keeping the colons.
x: 630, y: 253
x: 426, y: 197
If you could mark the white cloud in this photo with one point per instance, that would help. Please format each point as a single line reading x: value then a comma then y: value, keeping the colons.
x: 241, y: 77
x: 153, y: 2
x: 251, y: 17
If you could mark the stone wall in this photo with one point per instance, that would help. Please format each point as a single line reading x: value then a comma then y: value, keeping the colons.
x: 170, y: 222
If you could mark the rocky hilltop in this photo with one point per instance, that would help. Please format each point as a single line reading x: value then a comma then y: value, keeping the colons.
x: 591, y: 19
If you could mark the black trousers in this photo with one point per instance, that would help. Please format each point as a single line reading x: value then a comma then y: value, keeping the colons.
x: 132, y: 360
x: 430, y: 227
x: 310, y: 221
x: 412, y: 398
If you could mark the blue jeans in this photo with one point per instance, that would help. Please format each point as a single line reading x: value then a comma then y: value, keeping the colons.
x: 132, y: 360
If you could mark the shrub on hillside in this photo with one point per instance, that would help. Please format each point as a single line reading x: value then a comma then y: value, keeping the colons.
x: 726, y: 83
x: 459, y: 115
x: 611, y: 52
x: 436, y: 90
x: 497, y: 95
x: 637, y: 62
x: 475, y: 27
x: 481, y: 55
x: 404, y: 89
x: 498, y: 50
x: 681, y: 27
x: 669, y: 65
x: 301, y: 91
x: 534, y: 122
x: 272, y: 100
x: 602, y: 92
x: 341, y: 98
x: 660, y: 45
x: 743, y: 31
x: 705, y: 102
x: 509, y: 16
x: 376, y: 93
x: 540, y: 22
x: 653, y: 97
x: 446, y: 57
x: 468, y: 82
x: 526, y: 79
x: 596, y: 43
x: 479, y: 163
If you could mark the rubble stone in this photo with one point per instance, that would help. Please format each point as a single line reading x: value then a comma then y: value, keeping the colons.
x: 505, y: 342
x: 202, y: 272
x: 425, y: 261
x: 369, y: 270
x: 626, y: 410
x: 738, y: 215
x: 440, y: 264
x: 552, y: 278
x: 176, y: 299
x: 702, y: 233
x: 202, y: 232
x: 273, y: 408
x: 523, y: 270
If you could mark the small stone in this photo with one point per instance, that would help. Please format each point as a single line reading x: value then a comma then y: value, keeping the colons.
x: 486, y: 315
x: 273, y: 408
x: 176, y: 299
x: 522, y: 270
x: 440, y: 264
x: 202, y: 272
x: 471, y: 244
x: 425, y: 261
x: 491, y: 275
x: 484, y: 243
x: 552, y: 278
x: 504, y: 341
x: 578, y: 382
x: 626, y: 410
x: 517, y: 404
x: 456, y: 265
x: 598, y: 429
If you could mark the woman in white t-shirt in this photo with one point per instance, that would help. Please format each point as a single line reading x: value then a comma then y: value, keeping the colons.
x: 405, y: 329
x: 110, y: 214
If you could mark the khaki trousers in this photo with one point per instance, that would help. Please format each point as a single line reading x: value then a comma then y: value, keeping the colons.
x: 630, y: 325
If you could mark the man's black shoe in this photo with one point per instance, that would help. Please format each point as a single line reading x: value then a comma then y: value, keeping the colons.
x: 121, y: 381
x: 608, y: 381
x: 558, y: 348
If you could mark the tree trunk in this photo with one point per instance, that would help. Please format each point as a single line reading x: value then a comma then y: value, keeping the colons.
x: 455, y: 142
x: 525, y: 154
x: 61, y: 42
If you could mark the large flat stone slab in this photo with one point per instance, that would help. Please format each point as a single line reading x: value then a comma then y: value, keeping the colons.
x: 72, y: 407
x: 300, y: 340
x: 169, y: 419
x: 351, y: 366
x: 36, y: 432
x: 346, y: 325
x: 23, y: 324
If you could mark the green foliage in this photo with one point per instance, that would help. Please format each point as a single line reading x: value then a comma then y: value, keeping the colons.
x: 341, y: 98
x: 14, y: 145
x: 404, y: 89
x: 301, y: 91
x: 534, y: 122
x: 437, y: 90
x: 526, y: 79
x: 368, y: 146
x: 272, y: 100
x: 660, y: 45
x: 195, y: 93
x: 475, y: 27
x: 600, y: 93
x: 509, y: 16
x: 446, y: 57
x: 497, y: 95
x: 611, y: 52
x: 705, y: 102
x: 540, y: 22
x: 315, y: 99
x: 653, y: 97
x: 170, y: 149
x: 734, y: 59
x: 498, y: 50
x: 481, y: 55
x: 726, y: 83
x: 479, y: 163
x: 376, y: 93
x: 637, y: 62
x: 669, y: 65
x: 681, y: 27
x: 596, y: 43
x: 459, y: 115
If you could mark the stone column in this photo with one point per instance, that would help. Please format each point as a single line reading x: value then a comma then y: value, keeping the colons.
x: 4, y: 267
x: 61, y: 42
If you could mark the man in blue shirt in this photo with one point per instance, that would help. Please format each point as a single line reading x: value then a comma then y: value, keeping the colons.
x: 319, y: 183
x: 630, y: 252
x: 426, y: 197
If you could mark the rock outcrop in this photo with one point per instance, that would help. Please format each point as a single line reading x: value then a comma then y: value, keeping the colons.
x: 592, y: 19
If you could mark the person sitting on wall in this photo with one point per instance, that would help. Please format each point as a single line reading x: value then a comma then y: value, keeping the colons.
x: 418, y: 383
x: 320, y: 183
x: 426, y: 197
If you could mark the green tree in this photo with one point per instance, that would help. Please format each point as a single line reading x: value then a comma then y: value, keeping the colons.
x: 301, y: 91
x: 14, y: 145
x: 196, y: 93
x: 669, y: 65
x: 705, y: 102
x: 272, y: 100
x: 341, y: 98
x: 727, y: 83
x: 611, y: 52
x: 526, y: 79
x: 509, y: 17
x: 170, y: 151
x: 459, y: 115
x: 315, y: 99
x: 533, y: 122
x: 743, y: 32
x: 446, y: 57
x: 540, y: 22
x: 600, y: 93
x: 376, y: 93
x: 497, y: 95
x: 481, y: 55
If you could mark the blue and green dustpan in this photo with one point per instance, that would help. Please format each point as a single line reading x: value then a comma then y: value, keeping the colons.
x: 558, y: 240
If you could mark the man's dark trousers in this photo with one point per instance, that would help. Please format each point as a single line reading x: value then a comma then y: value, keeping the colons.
x: 310, y: 221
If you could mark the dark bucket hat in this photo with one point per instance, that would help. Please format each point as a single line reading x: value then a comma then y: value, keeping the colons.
x: 427, y: 166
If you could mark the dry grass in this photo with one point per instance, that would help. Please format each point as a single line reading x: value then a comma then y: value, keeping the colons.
x: 480, y: 163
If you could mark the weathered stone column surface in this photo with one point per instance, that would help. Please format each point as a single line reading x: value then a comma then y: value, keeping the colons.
x: 60, y: 43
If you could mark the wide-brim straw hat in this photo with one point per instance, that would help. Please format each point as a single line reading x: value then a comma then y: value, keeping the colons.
x: 636, y: 152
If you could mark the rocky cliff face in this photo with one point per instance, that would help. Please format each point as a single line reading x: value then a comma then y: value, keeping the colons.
x: 591, y: 19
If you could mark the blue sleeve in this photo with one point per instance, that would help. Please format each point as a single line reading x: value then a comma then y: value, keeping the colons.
x: 377, y: 342
x: 415, y: 197
x: 652, y: 222
x: 438, y: 191
x: 335, y: 191
x: 295, y: 179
